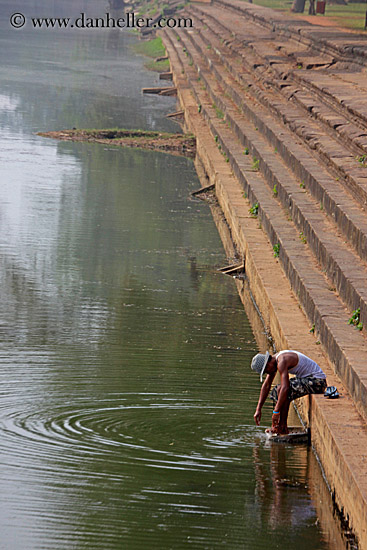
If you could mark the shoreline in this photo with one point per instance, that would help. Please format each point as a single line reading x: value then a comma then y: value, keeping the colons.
x: 176, y: 144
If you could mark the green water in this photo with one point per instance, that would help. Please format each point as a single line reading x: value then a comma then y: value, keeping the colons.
x: 126, y: 398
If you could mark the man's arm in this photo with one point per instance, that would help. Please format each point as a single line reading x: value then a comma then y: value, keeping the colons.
x: 264, y: 392
x: 284, y: 383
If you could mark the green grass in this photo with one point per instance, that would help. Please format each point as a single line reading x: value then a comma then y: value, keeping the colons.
x: 159, y: 67
x: 276, y: 249
x: 218, y: 111
x: 151, y: 48
x: 351, y: 16
x: 256, y: 164
x: 254, y: 210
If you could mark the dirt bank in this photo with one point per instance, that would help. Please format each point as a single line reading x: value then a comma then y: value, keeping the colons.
x: 177, y: 144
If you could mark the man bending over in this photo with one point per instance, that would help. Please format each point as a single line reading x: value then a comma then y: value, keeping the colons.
x: 309, y: 378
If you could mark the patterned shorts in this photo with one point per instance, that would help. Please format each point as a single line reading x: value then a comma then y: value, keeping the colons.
x: 298, y: 387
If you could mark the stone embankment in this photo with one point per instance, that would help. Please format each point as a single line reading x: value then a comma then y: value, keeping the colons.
x: 279, y: 110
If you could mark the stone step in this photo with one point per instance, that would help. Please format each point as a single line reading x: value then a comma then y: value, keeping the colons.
x: 347, y: 45
x: 342, y: 265
x: 348, y: 215
x: 343, y: 96
x: 326, y: 188
x: 322, y: 305
x: 324, y: 108
x: 338, y: 431
x: 268, y: 48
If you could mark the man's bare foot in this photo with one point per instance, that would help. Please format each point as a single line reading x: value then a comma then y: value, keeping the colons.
x: 283, y: 430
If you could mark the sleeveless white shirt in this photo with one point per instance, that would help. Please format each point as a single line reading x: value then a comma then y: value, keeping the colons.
x: 305, y: 366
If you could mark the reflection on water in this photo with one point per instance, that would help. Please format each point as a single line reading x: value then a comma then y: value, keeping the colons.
x: 126, y: 399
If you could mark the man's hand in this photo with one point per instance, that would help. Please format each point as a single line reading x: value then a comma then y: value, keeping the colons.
x: 257, y: 417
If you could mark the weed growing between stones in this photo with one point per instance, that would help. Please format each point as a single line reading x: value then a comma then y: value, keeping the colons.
x: 276, y: 249
x: 226, y: 158
x: 355, y: 319
x: 254, y: 210
x: 303, y: 238
x: 218, y: 111
x: 256, y: 164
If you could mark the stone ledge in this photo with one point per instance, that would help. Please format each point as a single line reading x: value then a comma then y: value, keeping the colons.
x: 346, y: 472
x: 341, y: 42
x: 306, y: 280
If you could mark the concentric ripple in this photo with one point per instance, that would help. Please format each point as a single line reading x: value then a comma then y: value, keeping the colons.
x: 139, y: 428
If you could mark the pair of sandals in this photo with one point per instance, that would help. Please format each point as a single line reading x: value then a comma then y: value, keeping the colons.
x: 331, y: 392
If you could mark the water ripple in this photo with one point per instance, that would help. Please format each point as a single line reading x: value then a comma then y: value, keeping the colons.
x: 144, y: 431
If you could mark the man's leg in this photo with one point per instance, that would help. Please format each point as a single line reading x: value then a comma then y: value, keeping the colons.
x: 298, y: 387
x: 283, y: 426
